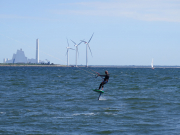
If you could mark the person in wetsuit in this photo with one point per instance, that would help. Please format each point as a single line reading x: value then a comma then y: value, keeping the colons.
x: 106, y: 78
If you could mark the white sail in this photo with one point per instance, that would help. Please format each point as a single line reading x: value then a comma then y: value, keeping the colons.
x: 152, y: 64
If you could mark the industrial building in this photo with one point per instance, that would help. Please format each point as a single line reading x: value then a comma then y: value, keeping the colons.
x: 20, y: 57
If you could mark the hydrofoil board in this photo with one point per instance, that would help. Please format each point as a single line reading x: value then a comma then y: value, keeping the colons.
x: 97, y: 90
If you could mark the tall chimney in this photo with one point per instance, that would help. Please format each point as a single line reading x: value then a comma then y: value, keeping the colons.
x: 37, y: 51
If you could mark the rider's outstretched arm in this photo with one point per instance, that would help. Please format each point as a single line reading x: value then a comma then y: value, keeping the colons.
x: 102, y: 75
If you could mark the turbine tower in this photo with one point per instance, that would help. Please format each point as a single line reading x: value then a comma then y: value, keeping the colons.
x: 76, y: 45
x: 37, y: 51
x: 67, y: 53
x: 87, y: 46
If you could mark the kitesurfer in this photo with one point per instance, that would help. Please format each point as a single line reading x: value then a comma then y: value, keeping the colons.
x: 106, y: 78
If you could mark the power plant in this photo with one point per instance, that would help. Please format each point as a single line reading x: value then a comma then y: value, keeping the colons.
x: 20, y: 57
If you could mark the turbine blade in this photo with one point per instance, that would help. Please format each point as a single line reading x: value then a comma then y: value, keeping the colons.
x: 90, y: 50
x: 73, y: 42
x: 78, y: 51
x: 80, y: 42
x: 90, y: 38
x: 66, y: 52
x: 83, y: 41
x: 67, y: 42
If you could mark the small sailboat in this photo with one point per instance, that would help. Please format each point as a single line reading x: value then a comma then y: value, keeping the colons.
x: 152, y: 64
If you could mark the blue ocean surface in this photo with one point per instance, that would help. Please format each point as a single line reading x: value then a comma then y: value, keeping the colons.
x: 60, y: 100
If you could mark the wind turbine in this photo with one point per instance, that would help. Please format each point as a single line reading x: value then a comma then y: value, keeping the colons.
x: 76, y: 45
x: 87, y: 46
x: 67, y: 53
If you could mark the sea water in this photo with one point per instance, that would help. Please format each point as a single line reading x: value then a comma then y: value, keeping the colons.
x: 59, y: 100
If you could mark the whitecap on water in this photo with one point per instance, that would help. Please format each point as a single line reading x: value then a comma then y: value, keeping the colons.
x: 76, y: 114
x: 63, y: 117
x: 2, y: 112
x: 102, y: 98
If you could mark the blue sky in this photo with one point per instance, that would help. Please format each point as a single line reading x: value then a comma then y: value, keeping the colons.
x: 125, y: 32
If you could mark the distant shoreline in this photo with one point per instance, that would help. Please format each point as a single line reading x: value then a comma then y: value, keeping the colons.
x: 93, y: 66
x: 32, y: 65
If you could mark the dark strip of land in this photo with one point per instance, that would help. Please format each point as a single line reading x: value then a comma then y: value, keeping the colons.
x: 94, y: 66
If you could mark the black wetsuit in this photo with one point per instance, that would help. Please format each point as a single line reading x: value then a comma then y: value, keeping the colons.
x: 106, y: 78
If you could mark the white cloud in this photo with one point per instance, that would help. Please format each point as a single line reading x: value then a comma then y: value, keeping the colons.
x: 147, y: 10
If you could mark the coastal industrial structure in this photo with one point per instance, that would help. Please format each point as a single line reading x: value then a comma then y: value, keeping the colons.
x: 20, y: 57
x: 37, y: 50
